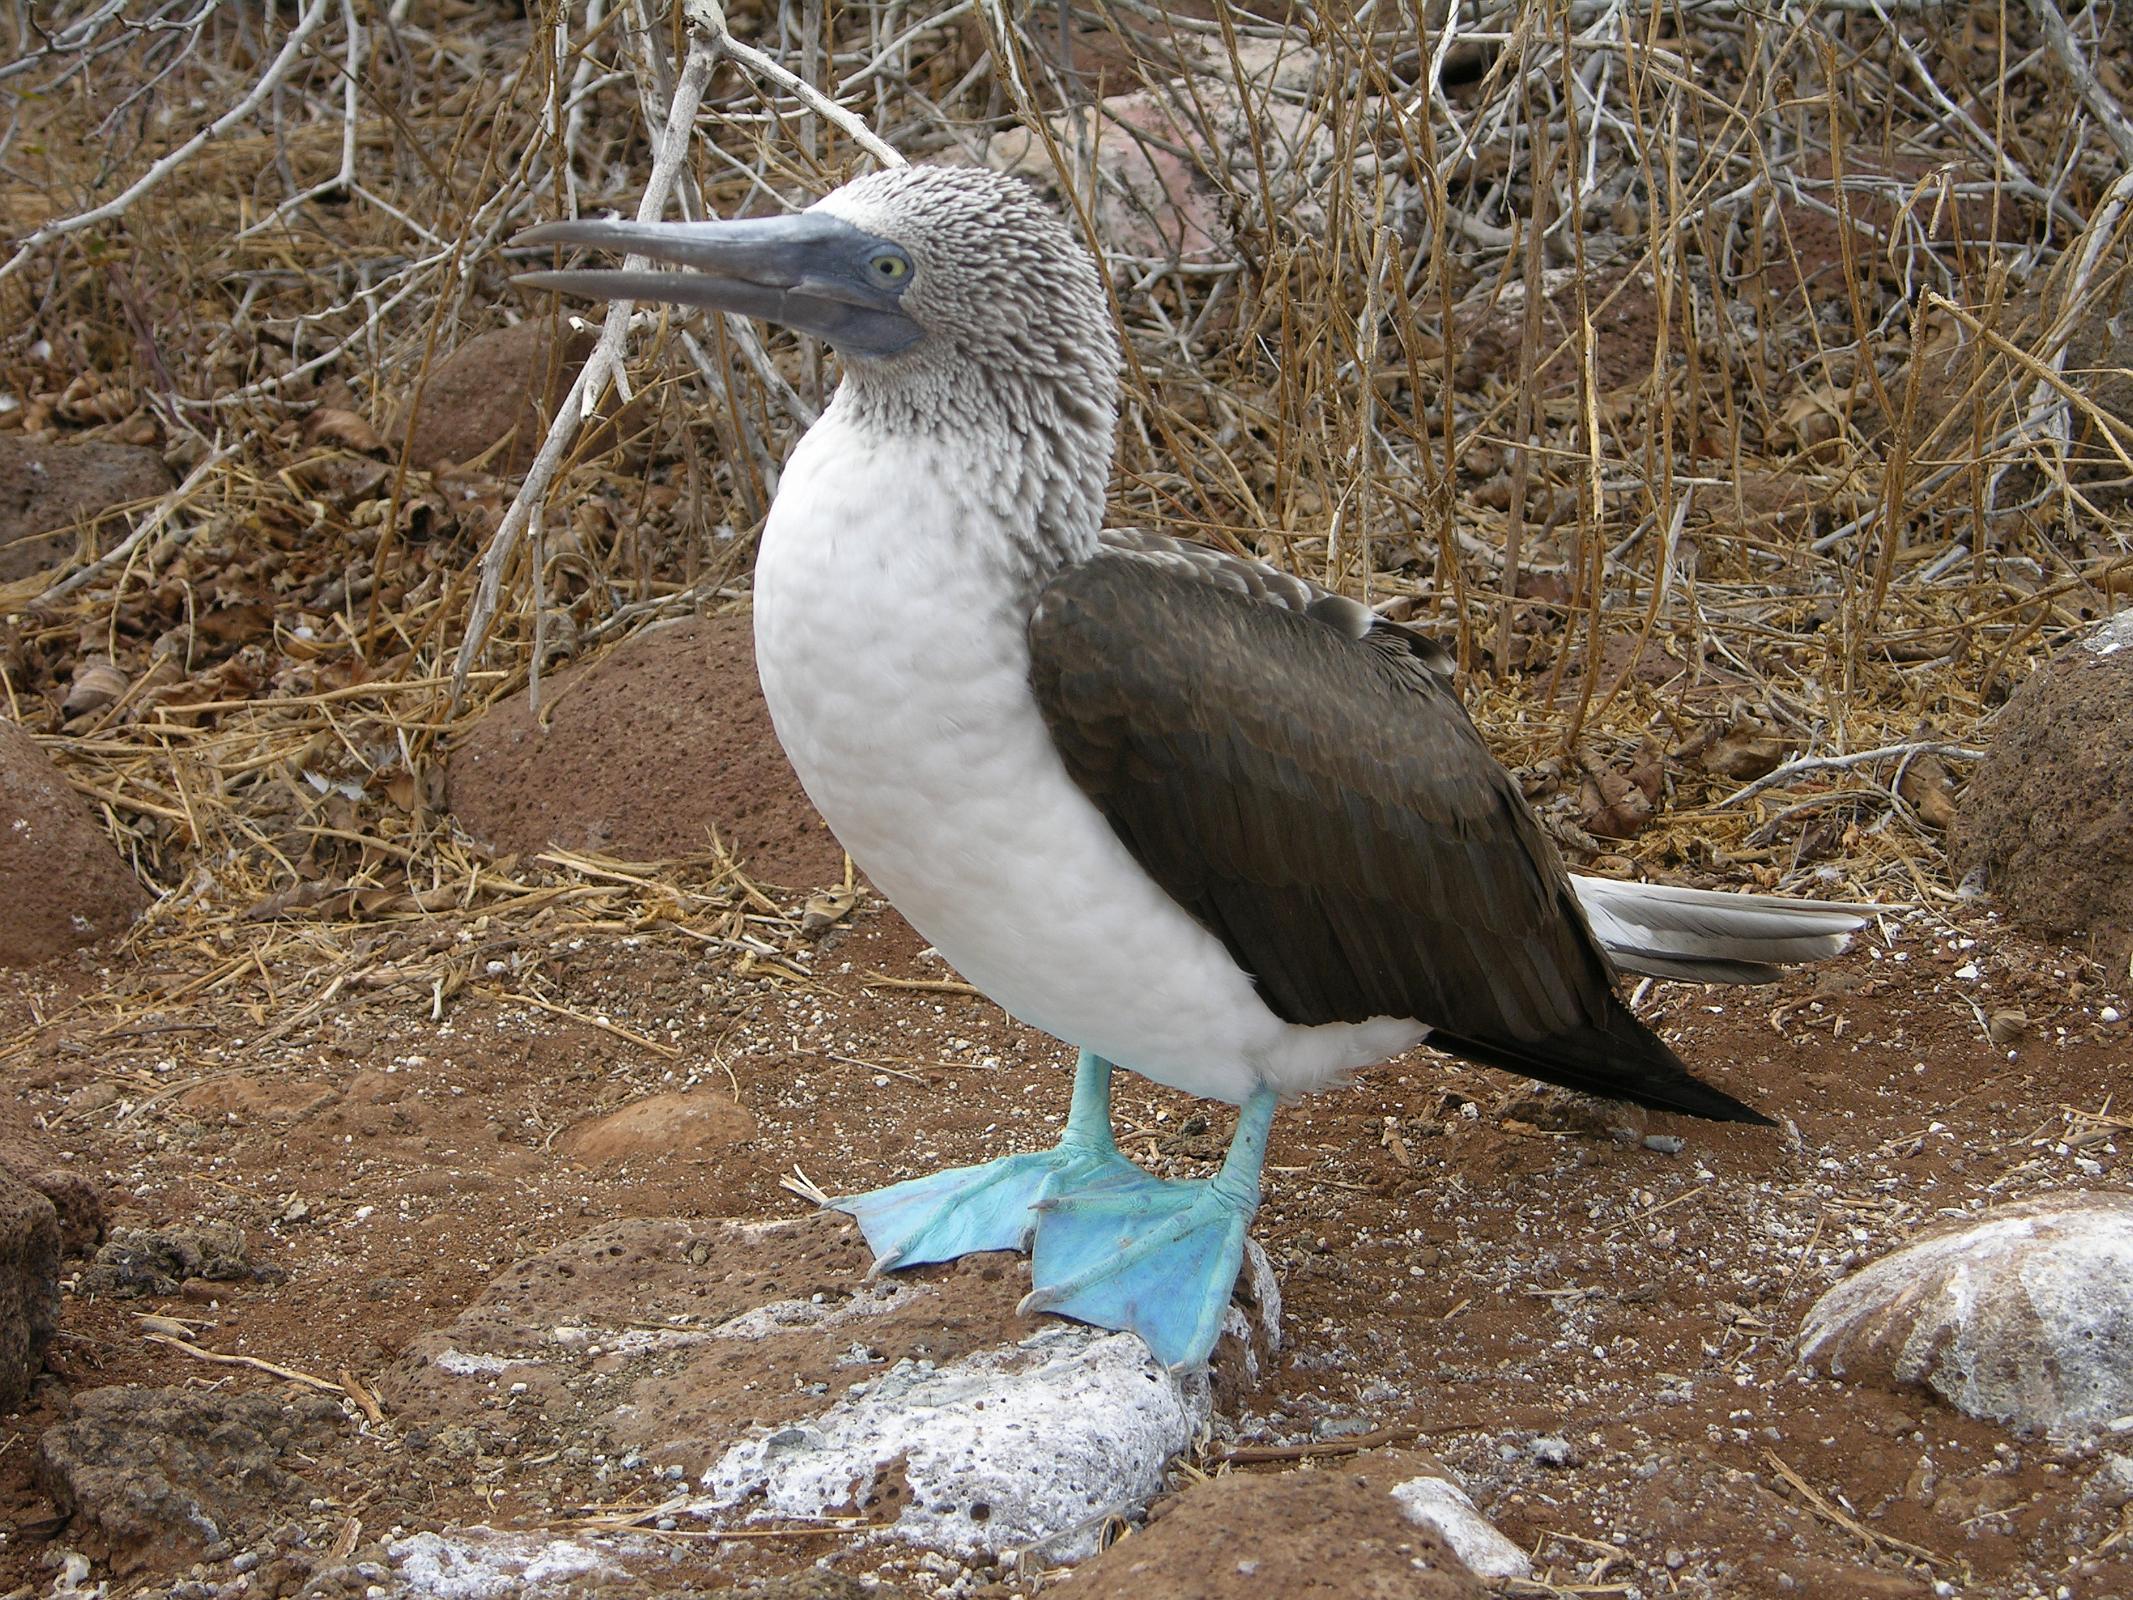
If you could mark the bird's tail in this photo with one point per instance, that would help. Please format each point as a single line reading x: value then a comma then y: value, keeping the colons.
x: 1611, y: 1054
x: 1707, y: 936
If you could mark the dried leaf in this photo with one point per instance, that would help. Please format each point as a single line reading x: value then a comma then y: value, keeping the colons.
x: 2004, y: 1028
x: 1928, y: 789
x: 825, y: 910
x: 1648, y: 773
x: 1611, y: 806
x: 1745, y: 751
x: 96, y: 684
x: 349, y: 429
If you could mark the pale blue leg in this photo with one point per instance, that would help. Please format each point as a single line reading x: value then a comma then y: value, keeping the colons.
x: 1155, y: 1258
x: 990, y: 1207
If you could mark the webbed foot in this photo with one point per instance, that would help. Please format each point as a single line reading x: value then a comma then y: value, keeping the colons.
x: 990, y: 1207
x: 1154, y: 1257
x: 967, y: 1209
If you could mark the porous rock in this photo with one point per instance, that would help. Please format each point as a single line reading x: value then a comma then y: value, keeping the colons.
x: 29, y: 1285
x: 78, y: 1201
x: 62, y: 882
x: 484, y: 1564
x: 141, y: 1261
x: 48, y: 487
x: 761, y: 1360
x: 2023, y: 1316
x: 145, y: 1474
x: 646, y: 753
x: 2045, y: 820
x: 1333, y: 1533
x: 1028, y: 1446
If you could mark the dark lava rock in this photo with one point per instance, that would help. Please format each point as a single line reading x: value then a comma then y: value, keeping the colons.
x: 138, y: 1261
x: 45, y: 489
x: 644, y: 754
x: 29, y: 1285
x: 2045, y: 821
x: 153, y: 1477
x: 79, y: 1202
x: 60, y: 879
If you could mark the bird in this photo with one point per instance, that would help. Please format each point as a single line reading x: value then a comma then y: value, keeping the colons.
x: 1193, y: 816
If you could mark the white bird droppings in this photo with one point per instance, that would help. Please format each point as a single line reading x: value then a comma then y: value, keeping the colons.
x: 1029, y: 1445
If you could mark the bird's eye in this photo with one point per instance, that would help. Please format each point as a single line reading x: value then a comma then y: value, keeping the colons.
x: 891, y: 268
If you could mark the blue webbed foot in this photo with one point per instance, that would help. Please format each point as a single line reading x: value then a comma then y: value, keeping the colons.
x: 967, y: 1209
x: 1155, y: 1258
x: 1151, y: 1257
x: 989, y: 1207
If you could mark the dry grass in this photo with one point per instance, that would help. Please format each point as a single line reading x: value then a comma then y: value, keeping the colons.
x: 1770, y: 346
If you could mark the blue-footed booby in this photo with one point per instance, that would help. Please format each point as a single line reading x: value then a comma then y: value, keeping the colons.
x: 1188, y: 813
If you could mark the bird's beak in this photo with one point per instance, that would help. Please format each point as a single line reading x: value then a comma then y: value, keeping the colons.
x: 807, y: 271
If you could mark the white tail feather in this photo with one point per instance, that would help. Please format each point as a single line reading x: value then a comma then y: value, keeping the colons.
x: 1707, y: 936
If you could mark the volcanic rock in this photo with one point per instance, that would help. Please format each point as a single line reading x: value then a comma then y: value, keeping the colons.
x: 2045, y: 820
x: 2023, y: 1316
x: 29, y: 1285
x: 760, y: 1363
x: 46, y: 488
x: 141, y: 1472
x: 646, y: 753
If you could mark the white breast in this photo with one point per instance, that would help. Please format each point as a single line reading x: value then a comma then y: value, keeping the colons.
x: 890, y: 639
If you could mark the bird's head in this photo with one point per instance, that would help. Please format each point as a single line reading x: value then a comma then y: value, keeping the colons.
x: 933, y: 278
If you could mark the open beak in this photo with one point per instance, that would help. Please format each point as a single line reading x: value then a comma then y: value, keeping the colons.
x: 807, y: 271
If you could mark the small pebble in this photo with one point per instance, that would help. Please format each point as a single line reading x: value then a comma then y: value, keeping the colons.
x: 1667, y: 1144
x: 1551, y: 1451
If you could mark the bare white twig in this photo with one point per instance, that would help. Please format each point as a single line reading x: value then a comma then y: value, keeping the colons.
x: 1802, y: 765
x: 710, y: 17
x: 2109, y: 114
x: 593, y: 376
x: 342, y: 181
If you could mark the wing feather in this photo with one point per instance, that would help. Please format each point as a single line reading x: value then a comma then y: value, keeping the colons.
x: 1303, y: 780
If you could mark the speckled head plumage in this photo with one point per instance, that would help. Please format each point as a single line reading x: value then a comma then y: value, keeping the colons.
x: 1017, y: 352
x: 996, y: 279
x: 963, y: 305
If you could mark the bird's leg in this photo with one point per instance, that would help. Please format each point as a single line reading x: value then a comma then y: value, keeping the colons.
x: 991, y: 1207
x: 1151, y: 1257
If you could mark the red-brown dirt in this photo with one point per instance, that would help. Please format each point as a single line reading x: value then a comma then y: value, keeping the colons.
x: 1596, y: 1335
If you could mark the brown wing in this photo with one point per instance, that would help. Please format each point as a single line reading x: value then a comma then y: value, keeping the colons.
x: 1306, y: 784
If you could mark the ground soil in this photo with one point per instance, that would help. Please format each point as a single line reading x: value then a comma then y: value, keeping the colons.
x: 1594, y: 1333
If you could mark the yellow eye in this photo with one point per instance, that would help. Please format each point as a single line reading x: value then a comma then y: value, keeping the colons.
x: 892, y: 267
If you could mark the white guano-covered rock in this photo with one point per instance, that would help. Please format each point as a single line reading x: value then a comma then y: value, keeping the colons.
x: 481, y: 1563
x: 1030, y: 1446
x: 732, y: 1372
x: 1441, y: 1504
x: 2023, y: 1317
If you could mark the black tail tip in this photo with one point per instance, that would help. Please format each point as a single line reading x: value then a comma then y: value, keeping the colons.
x: 1696, y: 1098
